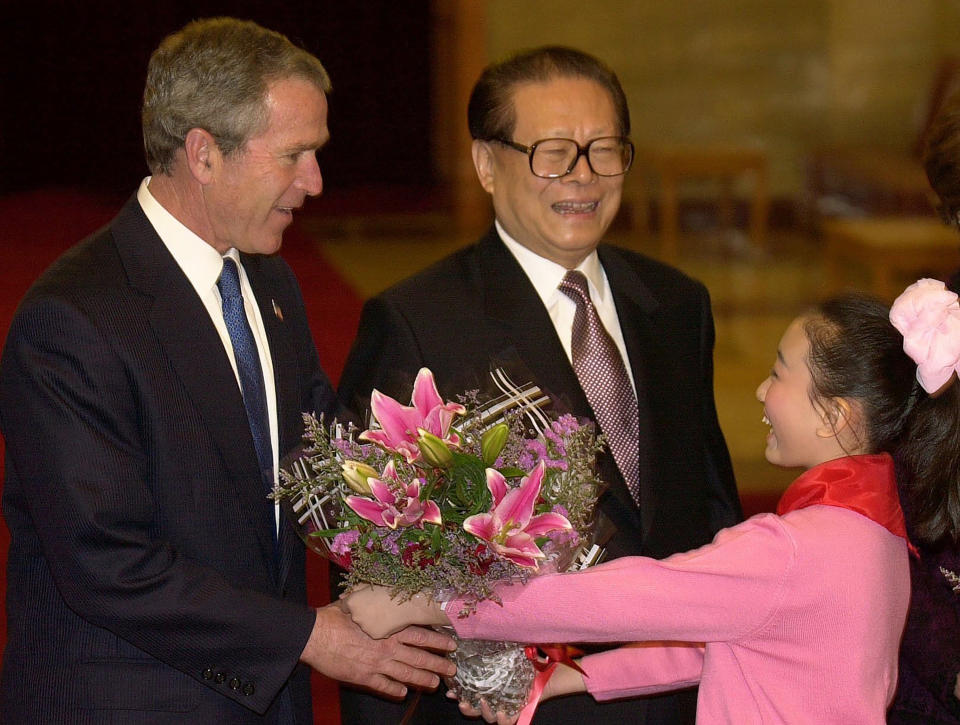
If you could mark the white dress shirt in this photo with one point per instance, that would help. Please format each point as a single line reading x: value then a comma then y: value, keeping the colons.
x: 202, y: 264
x: 545, y: 276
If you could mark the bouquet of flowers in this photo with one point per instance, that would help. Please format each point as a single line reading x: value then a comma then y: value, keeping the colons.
x: 451, y: 499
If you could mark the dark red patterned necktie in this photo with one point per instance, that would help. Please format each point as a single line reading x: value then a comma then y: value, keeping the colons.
x: 604, y: 379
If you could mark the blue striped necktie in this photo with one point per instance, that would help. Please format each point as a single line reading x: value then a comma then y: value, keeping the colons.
x: 248, y: 366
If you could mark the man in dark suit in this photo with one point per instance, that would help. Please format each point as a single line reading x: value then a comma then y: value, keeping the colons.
x: 550, y: 147
x: 150, y: 579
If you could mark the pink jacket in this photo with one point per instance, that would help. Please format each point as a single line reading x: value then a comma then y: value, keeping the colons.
x: 801, y: 615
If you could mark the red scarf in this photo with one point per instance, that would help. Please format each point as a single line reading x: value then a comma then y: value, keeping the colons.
x: 865, y: 484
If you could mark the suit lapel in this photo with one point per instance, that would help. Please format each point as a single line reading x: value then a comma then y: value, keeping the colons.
x: 282, y: 352
x: 195, y: 352
x: 519, y: 327
x: 283, y: 357
x: 637, y: 312
x: 519, y: 323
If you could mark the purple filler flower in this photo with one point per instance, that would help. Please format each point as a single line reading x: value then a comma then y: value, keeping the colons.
x: 342, y: 543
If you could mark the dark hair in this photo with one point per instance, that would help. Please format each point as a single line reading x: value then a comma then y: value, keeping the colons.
x: 929, y: 467
x: 941, y: 158
x: 856, y: 353
x: 214, y: 74
x: 490, y: 113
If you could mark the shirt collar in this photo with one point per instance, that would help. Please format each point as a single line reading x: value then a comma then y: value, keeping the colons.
x: 200, y: 262
x: 546, y: 275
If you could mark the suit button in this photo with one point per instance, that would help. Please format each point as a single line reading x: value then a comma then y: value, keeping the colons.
x: 219, y: 678
x: 249, y: 689
x: 235, y: 683
x: 208, y: 674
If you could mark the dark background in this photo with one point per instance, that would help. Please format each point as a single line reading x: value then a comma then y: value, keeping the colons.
x: 72, y: 74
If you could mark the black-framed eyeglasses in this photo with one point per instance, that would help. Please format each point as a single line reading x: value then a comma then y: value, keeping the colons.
x: 551, y: 158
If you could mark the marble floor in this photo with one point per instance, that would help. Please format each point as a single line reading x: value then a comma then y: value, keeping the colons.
x: 755, y: 293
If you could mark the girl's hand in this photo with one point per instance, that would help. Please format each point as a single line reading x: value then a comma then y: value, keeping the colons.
x: 499, y: 717
x: 565, y: 681
x: 377, y: 614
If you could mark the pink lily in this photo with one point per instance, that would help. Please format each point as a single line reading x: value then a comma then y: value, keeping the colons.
x: 510, y: 527
x: 400, y: 424
x: 390, y: 510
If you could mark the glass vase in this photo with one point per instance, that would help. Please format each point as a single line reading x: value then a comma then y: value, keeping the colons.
x: 498, y: 672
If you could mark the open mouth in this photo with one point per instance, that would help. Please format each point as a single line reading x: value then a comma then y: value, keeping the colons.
x: 766, y: 421
x: 575, y: 207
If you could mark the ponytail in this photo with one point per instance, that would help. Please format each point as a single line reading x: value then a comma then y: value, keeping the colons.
x: 927, y: 314
x: 928, y: 461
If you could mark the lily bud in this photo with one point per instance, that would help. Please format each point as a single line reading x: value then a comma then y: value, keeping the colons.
x: 492, y: 442
x: 356, y: 475
x: 434, y: 450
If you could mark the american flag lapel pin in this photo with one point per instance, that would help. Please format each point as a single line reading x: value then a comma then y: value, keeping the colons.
x: 276, y: 310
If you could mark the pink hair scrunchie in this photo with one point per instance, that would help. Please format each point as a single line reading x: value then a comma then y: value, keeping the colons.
x: 927, y: 314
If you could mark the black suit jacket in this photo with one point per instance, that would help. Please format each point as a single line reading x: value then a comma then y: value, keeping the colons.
x: 142, y: 584
x: 477, y: 308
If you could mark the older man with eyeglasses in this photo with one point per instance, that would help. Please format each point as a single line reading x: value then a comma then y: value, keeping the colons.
x: 610, y: 334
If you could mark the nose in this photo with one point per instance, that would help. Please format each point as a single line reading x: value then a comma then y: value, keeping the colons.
x: 310, y: 180
x: 762, y: 390
x: 581, y: 171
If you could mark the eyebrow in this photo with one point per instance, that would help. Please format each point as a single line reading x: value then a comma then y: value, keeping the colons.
x: 312, y: 145
x: 780, y: 358
x: 300, y: 148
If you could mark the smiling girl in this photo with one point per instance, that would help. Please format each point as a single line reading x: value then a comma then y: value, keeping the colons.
x: 793, y: 617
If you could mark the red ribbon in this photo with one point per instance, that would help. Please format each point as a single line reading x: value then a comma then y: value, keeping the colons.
x: 554, y: 654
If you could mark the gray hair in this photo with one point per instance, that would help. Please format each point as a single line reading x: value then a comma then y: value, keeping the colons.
x: 214, y: 74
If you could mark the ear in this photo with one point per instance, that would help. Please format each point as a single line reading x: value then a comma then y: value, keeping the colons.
x: 483, y: 162
x: 837, y: 415
x: 202, y: 153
